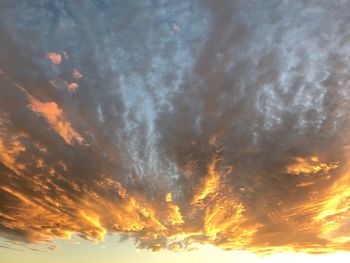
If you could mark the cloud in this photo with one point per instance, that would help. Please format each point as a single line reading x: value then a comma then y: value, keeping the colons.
x: 212, y: 122
x: 54, y: 57
x: 73, y: 86
x: 77, y: 74
x: 55, y: 117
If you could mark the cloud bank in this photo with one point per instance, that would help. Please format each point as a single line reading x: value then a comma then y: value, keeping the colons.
x: 176, y: 123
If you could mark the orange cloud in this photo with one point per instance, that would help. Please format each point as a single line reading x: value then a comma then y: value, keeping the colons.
x: 310, y: 165
x: 301, y: 206
x: 11, y: 146
x: 214, y: 211
x: 214, y: 215
x: 54, y: 57
x: 55, y: 117
x: 73, y: 86
x: 9, y: 151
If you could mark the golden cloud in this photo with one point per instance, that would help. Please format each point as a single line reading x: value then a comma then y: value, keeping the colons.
x: 215, y: 214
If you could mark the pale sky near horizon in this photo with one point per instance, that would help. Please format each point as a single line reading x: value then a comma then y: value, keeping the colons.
x: 112, y: 251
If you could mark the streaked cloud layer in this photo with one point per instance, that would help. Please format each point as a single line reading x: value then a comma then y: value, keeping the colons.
x: 175, y: 123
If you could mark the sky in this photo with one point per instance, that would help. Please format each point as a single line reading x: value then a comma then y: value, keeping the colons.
x: 111, y: 250
x: 153, y: 130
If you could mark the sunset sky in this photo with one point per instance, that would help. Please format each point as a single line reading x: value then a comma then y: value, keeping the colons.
x: 174, y: 131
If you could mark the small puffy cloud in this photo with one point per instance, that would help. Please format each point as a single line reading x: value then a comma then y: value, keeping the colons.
x: 54, y: 57
x: 77, y: 74
x: 73, y: 86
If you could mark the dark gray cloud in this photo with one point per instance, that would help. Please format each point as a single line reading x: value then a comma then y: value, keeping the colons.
x: 215, y: 122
